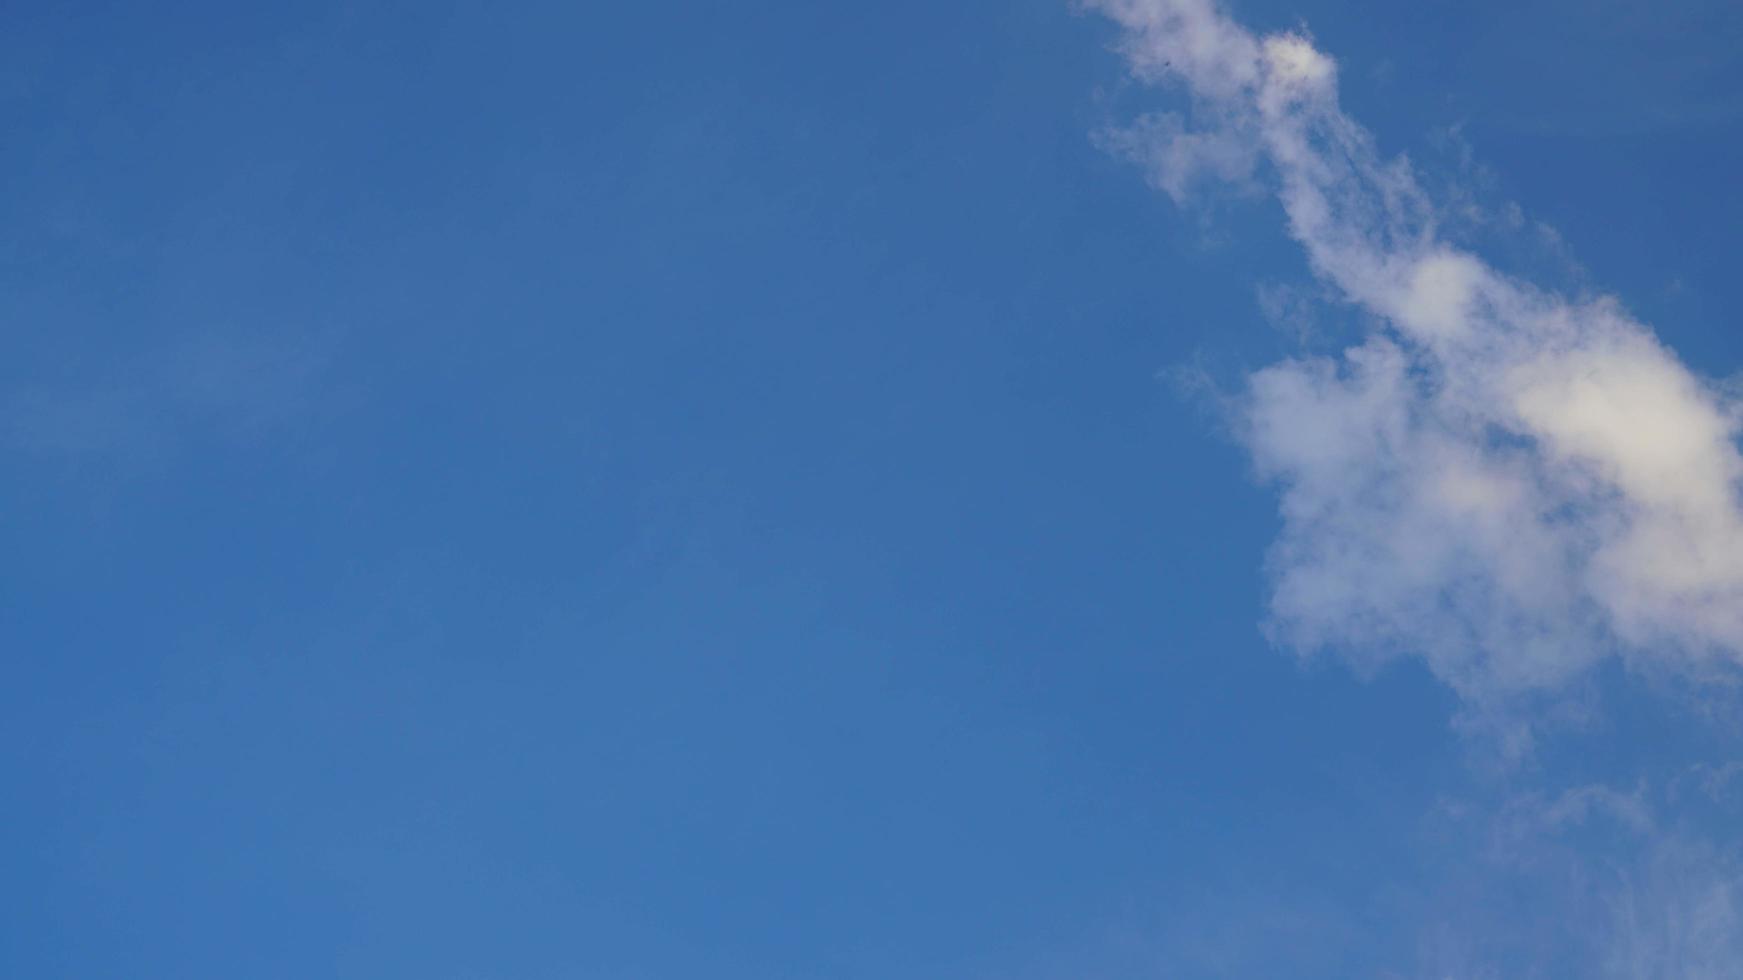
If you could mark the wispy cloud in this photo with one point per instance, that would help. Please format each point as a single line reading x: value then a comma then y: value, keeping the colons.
x: 228, y: 386
x: 1602, y: 883
x: 1582, y: 881
x: 1509, y: 483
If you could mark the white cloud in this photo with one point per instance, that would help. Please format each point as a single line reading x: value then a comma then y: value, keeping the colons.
x: 1178, y: 160
x: 1507, y: 483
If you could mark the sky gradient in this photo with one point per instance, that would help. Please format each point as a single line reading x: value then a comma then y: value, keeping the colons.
x: 1007, y: 490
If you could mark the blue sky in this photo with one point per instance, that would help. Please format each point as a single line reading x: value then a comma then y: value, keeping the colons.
x: 767, y: 490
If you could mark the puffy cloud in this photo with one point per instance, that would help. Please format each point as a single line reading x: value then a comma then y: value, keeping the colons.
x: 1503, y: 481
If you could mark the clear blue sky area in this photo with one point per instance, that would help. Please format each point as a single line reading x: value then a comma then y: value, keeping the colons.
x: 711, y: 490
